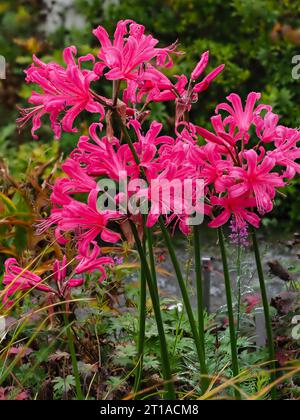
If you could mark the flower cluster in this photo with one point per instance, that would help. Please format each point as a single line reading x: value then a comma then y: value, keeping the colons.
x: 63, y: 91
x: 18, y: 280
x: 249, y: 157
x: 241, y: 164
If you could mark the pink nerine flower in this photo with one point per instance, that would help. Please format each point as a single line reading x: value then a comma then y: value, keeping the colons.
x: 287, y: 153
x: 236, y: 207
x: 242, y: 161
x: 17, y: 279
x: 90, y: 260
x: 63, y: 282
x: 185, y: 93
x: 239, y: 117
x: 101, y: 156
x: 266, y: 127
x: 130, y: 49
x: 78, y: 182
x: 64, y: 90
x: 201, y: 66
x: 87, y: 221
x: 256, y: 179
x: 168, y: 197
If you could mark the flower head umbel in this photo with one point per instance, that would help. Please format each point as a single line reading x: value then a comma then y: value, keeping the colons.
x: 62, y: 279
x: 248, y: 158
x: 242, y: 162
x: 17, y: 280
x: 65, y: 93
x: 130, y: 50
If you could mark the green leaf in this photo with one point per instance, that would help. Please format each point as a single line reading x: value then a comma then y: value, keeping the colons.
x: 8, y: 203
x: 63, y: 385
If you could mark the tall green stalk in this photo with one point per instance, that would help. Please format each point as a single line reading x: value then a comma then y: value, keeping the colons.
x: 265, y: 301
x: 165, y: 362
x: 199, y: 285
x: 233, y: 341
x: 73, y: 358
x: 239, y: 287
x: 142, y: 320
x: 187, y: 304
x: 149, y: 236
x: 141, y: 332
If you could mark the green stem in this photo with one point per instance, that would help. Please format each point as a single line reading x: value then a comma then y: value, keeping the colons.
x: 187, y: 304
x: 165, y: 362
x: 233, y: 342
x: 265, y: 301
x: 239, y: 286
x: 199, y: 285
x: 142, y: 327
x: 142, y: 320
x: 151, y: 258
x: 73, y: 357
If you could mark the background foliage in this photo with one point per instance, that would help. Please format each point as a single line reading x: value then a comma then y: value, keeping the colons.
x: 255, y: 38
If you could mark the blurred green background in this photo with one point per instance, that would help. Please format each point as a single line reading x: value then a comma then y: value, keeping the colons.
x: 256, y: 39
